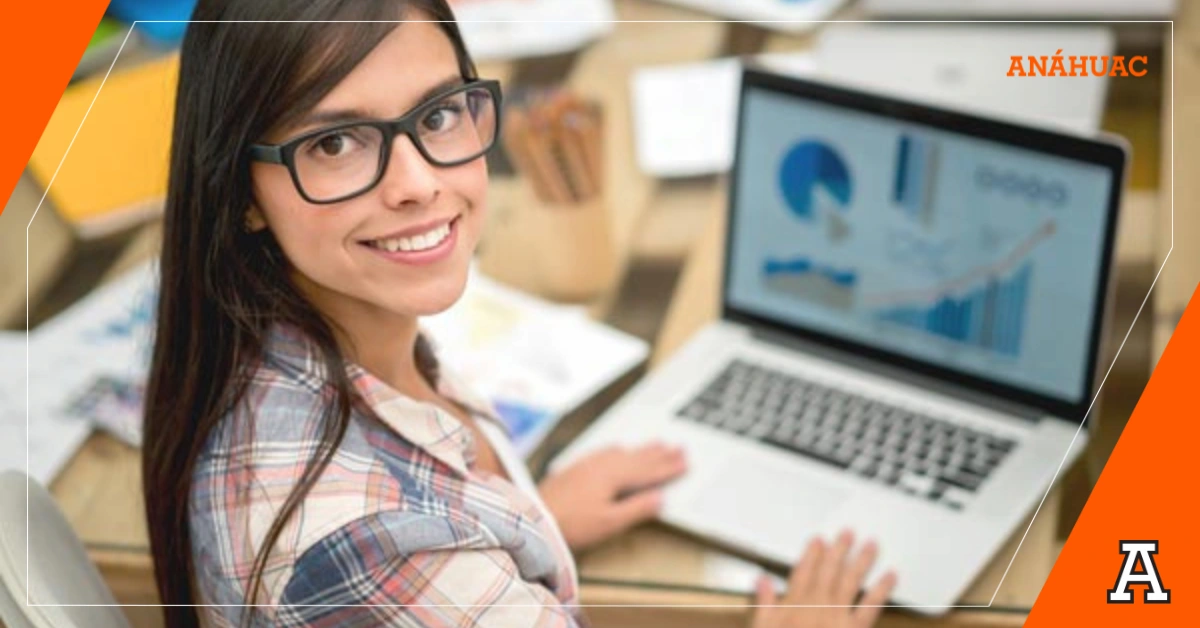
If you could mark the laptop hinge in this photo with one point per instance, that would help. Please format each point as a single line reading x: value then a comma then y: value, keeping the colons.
x: 889, y: 371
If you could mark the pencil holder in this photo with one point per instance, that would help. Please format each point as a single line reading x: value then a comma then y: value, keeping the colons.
x: 572, y: 247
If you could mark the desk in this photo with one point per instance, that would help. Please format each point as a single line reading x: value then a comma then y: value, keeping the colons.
x: 100, y: 489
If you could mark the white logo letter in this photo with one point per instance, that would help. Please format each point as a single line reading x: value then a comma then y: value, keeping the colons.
x: 1155, y: 593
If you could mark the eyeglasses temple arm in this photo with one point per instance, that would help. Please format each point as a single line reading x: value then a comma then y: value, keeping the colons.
x: 270, y: 154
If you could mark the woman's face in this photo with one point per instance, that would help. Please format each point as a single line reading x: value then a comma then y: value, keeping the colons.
x: 344, y: 255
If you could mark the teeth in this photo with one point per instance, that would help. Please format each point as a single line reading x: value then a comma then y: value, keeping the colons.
x: 415, y: 243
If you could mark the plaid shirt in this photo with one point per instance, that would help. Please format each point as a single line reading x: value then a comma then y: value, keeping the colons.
x: 401, y: 529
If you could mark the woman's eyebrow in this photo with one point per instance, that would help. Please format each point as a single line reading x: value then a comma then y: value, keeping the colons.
x: 335, y: 116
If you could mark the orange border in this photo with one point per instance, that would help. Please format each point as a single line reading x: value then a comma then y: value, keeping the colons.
x: 40, y: 44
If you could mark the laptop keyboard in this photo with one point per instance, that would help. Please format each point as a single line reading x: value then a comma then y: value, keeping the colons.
x: 918, y: 454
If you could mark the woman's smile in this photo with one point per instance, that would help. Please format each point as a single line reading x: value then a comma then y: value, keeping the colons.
x: 424, y: 244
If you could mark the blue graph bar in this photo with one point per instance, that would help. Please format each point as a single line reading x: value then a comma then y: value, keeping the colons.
x: 915, y: 169
x: 898, y: 192
x: 991, y: 317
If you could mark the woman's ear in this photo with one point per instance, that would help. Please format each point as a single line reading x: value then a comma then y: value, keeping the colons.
x: 254, y: 220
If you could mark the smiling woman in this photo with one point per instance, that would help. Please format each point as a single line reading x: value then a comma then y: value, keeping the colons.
x: 306, y: 462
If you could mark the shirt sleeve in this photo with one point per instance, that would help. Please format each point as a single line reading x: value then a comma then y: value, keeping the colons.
x: 354, y: 578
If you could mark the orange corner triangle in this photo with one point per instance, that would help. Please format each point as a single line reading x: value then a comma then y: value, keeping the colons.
x: 1147, y: 491
x: 40, y: 45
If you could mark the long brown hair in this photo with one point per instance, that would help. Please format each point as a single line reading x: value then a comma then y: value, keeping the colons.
x: 223, y: 288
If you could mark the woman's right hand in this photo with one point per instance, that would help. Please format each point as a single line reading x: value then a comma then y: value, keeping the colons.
x: 827, y: 579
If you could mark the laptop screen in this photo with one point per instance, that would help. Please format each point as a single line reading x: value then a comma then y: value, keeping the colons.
x: 964, y: 253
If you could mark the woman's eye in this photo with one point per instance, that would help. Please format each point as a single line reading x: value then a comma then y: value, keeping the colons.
x: 444, y: 118
x: 333, y: 145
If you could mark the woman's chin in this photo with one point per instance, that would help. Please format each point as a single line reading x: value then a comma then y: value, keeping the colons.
x: 434, y: 298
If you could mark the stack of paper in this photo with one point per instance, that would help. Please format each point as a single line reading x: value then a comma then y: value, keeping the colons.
x: 534, y: 360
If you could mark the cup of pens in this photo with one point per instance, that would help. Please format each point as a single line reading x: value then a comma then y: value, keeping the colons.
x: 553, y: 138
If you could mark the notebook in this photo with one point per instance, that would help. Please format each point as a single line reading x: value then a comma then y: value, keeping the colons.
x: 115, y: 174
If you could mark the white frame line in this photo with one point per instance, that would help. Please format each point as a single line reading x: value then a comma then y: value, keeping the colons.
x: 1032, y: 519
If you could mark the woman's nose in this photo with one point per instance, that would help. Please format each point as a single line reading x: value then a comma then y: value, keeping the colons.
x: 410, y: 179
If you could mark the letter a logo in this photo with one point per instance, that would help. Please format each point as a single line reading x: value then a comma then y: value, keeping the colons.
x: 1135, y: 551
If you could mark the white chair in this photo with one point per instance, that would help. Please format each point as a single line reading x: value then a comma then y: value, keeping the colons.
x: 60, y: 572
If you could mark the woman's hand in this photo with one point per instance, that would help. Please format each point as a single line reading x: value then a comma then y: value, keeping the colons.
x: 609, y: 491
x: 831, y: 576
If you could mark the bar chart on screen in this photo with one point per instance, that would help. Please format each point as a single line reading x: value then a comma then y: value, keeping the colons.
x: 983, y: 307
x: 988, y: 316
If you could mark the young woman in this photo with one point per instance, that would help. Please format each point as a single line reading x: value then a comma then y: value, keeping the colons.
x: 306, y: 461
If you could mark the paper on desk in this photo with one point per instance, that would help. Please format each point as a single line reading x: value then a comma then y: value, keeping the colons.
x: 95, y: 355
x: 510, y: 29
x: 41, y: 447
x: 684, y: 115
x: 536, y: 361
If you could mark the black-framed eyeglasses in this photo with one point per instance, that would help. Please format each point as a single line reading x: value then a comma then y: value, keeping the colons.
x: 345, y: 160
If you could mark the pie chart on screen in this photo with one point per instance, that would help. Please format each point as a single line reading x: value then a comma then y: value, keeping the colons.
x: 813, y: 175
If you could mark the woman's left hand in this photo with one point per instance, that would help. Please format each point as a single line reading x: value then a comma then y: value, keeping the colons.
x: 609, y: 491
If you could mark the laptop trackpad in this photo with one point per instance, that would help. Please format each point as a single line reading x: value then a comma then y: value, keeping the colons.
x: 778, y: 508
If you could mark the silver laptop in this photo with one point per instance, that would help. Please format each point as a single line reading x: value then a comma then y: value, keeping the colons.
x: 912, y: 308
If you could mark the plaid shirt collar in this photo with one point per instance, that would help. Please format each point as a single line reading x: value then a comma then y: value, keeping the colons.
x: 440, y: 434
